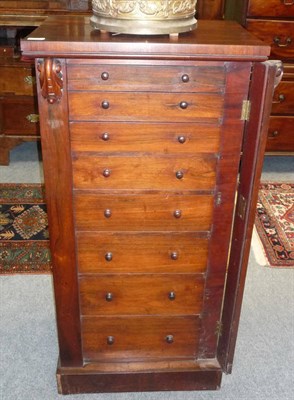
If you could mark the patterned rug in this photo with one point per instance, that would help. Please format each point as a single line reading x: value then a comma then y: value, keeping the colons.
x: 24, y: 244
x: 274, y: 223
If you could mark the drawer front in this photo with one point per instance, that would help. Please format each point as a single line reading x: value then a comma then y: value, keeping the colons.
x: 139, y: 212
x: 121, y: 337
x: 27, y: 121
x: 145, y: 78
x: 278, y: 34
x: 271, y: 8
x: 17, y: 80
x: 140, y: 106
x: 283, y: 100
x: 280, y: 134
x: 91, y: 171
x: 141, y: 294
x: 6, y: 50
x: 157, y: 138
x: 129, y: 252
x: 34, y: 4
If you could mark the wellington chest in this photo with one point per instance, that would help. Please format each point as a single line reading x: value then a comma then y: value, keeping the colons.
x: 152, y: 151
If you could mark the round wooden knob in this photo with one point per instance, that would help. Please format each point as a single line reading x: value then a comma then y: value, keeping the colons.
x: 183, y: 105
x: 105, y: 104
x: 185, y: 78
x: 104, y: 76
x: 179, y: 174
x: 106, y: 173
x: 105, y: 136
x: 177, y: 213
x: 110, y: 339
x: 107, y: 213
x: 169, y: 339
x: 174, y: 255
x: 172, y: 295
x: 109, y: 297
x: 108, y: 256
x: 181, y: 139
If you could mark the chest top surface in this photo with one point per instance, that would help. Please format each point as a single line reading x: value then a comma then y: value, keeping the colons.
x: 72, y: 36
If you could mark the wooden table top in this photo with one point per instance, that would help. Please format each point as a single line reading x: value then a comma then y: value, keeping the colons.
x: 73, y: 36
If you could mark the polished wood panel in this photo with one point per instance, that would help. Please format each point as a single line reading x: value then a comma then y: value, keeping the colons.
x: 210, y: 9
x: 212, y: 40
x: 47, y: 6
x: 19, y: 116
x: 149, y: 212
x: 271, y: 8
x: 143, y: 137
x: 276, y: 34
x: 58, y: 184
x: 141, y: 294
x: 17, y: 79
x: 124, y: 106
x: 280, y: 133
x: 78, y: 380
x: 127, y: 338
x: 260, y: 94
x: 283, y: 100
x: 93, y: 77
x: 94, y: 171
x: 141, y: 252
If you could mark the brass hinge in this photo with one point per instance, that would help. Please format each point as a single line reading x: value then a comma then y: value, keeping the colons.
x: 246, y: 107
x: 241, y: 207
x: 219, y: 328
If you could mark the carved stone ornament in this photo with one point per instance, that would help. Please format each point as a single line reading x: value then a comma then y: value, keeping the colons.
x: 51, y: 81
x: 144, y: 16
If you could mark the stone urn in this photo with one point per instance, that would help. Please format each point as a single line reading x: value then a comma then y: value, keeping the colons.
x: 145, y: 17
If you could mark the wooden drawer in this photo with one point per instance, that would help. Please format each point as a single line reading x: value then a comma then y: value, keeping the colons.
x: 157, y: 138
x: 6, y: 50
x: 283, y: 100
x: 130, y: 252
x: 278, y: 34
x: 142, y: 212
x: 281, y: 134
x: 17, y: 80
x: 101, y: 77
x: 288, y: 74
x: 34, y: 4
x: 19, y: 116
x: 271, y: 8
x: 141, y: 294
x: 141, y: 106
x: 121, y: 337
x: 92, y: 171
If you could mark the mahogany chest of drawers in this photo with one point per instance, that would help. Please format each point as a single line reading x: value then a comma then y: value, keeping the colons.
x: 273, y: 22
x: 150, y: 208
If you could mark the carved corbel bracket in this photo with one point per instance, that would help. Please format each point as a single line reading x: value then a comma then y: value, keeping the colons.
x: 279, y: 71
x: 51, y: 80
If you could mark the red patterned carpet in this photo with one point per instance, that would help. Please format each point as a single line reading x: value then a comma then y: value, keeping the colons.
x: 275, y: 223
x: 24, y: 244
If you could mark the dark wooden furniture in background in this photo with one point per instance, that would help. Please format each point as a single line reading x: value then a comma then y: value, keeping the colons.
x: 142, y: 141
x: 18, y: 101
x: 273, y: 22
x: 210, y: 9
